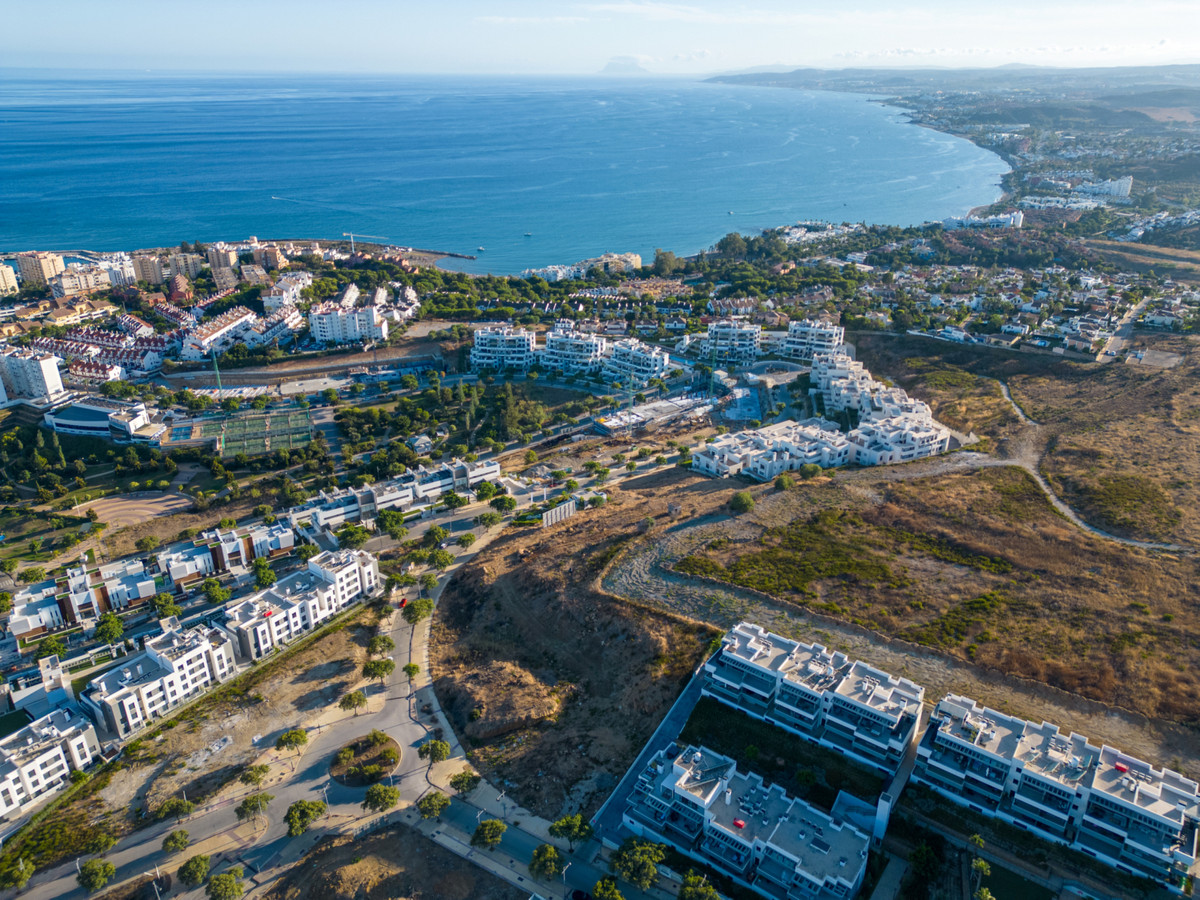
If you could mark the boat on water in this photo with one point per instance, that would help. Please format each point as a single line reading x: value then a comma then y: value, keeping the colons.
x: 479, y: 249
x: 529, y: 234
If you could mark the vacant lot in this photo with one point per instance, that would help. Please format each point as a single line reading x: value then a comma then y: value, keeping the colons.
x: 1120, y: 444
x: 552, y: 686
x: 979, y: 566
x: 395, y: 864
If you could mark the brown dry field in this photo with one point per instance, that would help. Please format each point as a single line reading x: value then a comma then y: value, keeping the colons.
x: 1097, y: 619
x: 568, y: 682
x: 1182, y: 264
x: 398, y: 863
x: 1118, y: 443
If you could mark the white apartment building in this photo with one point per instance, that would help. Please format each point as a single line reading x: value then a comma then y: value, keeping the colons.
x: 38, y: 268
x: 120, y: 270
x: 286, y: 291
x: 333, y: 323
x: 173, y: 668
x: 8, y: 280
x: 82, y: 593
x: 186, y: 264
x: 731, y: 341
x: 634, y: 363
x: 1098, y: 800
x: 220, y: 258
x: 780, y: 846
x: 78, y: 280
x: 330, y: 510
x: 29, y: 374
x: 285, y: 321
x: 500, y: 347
x: 570, y: 351
x: 809, y: 337
x: 219, y: 334
x: 148, y: 269
x: 37, y: 760
x: 819, y: 695
x: 767, y: 452
x: 270, y: 619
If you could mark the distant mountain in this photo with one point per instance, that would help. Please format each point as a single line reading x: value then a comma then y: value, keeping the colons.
x: 624, y: 65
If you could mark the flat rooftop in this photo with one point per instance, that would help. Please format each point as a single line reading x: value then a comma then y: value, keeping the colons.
x: 875, y: 689
x: 1159, y: 792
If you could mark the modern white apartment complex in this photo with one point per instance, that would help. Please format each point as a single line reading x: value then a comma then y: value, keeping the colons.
x: 699, y: 802
x: 219, y: 334
x: 120, y: 270
x: 500, y: 347
x: 634, y: 363
x: 38, y: 268
x: 334, y: 323
x: 149, y: 269
x: 286, y: 291
x: 172, y: 669
x: 297, y: 604
x: 820, y: 695
x: 809, y: 337
x: 767, y: 452
x: 218, y: 551
x: 37, y: 760
x: 330, y: 510
x: 29, y: 374
x: 570, y: 351
x: 279, y: 325
x: 1098, y: 800
x: 731, y: 341
x: 83, y: 592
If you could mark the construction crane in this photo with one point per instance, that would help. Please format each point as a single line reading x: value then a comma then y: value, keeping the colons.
x: 352, y: 235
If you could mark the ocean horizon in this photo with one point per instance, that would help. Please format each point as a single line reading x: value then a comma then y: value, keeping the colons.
x: 535, y: 171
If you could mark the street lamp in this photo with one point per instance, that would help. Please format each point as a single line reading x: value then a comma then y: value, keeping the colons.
x: 503, y: 805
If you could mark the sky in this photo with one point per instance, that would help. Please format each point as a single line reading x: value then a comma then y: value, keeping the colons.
x: 582, y: 37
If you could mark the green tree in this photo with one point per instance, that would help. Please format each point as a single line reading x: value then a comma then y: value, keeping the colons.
x: 175, y: 807
x: 503, y: 504
x: 353, y: 702
x: 545, y: 862
x: 380, y: 645
x: 301, y: 815
x: 109, y: 629
x: 378, y: 669
x: 432, y: 805
x: 454, y: 500
x: 164, y: 605
x: 211, y: 588
x: 488, y: 833
x: 574, y: 829
x: 435, y: 536
x: 441, y: 559
x: 784, y: 482
x: 175, y: 841
x: 741, y: 502
x: 227, y: 885
x: 428, y: 582
x: 101, y: 842
x: 489, y: 520
x: 465, y: 781
x: 253, y: 806
x: 254, y: 776
x: 435, y: 751
x: 411, y: 669
x: 95, y: 874
x: 417, y: 610
x: 466, y: 540
x: 352, y: 536
x: 51, y: 646
x: 264, y: 575
x: 637, y: 861
x: 606, y: 889
x: 696, y: 887
x: 380, y: 798
x: 809, y: 471
x: 295, y: 739
x: 193, y: 872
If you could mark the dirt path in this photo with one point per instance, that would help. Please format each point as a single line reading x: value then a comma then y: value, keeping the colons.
x: 644, y: 571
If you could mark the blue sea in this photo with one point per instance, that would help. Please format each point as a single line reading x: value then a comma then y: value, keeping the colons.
x: 536, y: 171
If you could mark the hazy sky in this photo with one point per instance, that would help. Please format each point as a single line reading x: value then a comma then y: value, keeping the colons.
x: 572, y: 36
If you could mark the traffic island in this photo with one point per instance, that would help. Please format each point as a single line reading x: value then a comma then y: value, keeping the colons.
x: 365, y: 760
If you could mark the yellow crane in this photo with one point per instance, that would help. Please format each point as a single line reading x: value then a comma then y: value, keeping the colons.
x: 352, y: 235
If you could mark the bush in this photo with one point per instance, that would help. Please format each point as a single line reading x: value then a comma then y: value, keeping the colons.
x: 741, y: 502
